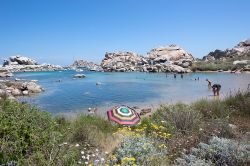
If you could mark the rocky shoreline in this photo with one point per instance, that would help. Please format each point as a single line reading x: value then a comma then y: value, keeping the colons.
x: 11, y: 89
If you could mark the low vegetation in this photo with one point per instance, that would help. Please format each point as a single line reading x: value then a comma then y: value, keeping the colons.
x: 206, y: 132
x: 216, y: 65
x: 213, y: 66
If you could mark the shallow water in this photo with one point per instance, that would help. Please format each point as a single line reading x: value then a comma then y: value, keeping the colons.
x: 133, y: 89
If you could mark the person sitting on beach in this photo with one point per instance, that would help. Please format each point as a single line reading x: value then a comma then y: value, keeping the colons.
x: 216, y: 89
x: 209, y: 82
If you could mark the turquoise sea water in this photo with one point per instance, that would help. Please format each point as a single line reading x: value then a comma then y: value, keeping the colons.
x: 133, y: 89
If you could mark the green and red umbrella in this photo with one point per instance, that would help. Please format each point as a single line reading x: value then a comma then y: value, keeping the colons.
x: 124, y: 115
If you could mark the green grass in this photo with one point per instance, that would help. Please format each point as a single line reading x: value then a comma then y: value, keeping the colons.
x: 213, y: 66
x: 93, y: 129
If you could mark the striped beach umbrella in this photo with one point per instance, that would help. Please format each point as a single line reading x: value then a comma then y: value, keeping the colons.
x: 124, y: 115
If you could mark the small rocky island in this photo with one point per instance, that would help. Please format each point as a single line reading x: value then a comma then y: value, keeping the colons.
x: 20, y: 63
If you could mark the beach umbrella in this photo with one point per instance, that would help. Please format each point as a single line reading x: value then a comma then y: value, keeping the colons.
x: 124, y: 115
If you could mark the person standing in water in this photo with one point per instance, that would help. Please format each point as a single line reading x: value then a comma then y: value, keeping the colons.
x: 174, y: 75
x: 181, y: 75
x: 209, y: 83
x: 216, y: 89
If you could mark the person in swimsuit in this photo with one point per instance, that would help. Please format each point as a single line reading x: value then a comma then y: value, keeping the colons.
x: 216, y: 89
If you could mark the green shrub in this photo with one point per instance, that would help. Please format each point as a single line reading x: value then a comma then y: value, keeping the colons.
x: 181, y: 116
x: 22, y: 131
x: 31, y: 136
x: 218, y: 151
x: 138, y: 150
x: 212, y: 66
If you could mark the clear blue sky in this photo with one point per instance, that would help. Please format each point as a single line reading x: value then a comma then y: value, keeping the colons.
x: 59, y: 31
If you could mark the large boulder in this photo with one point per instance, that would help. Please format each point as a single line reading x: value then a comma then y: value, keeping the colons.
x: 241, y: 63
x: 31, y: 87
x: 19, y: 60
x: 122, y: 61
x: 6, y: 74
x: 88, y: 65
x: 169, y: 53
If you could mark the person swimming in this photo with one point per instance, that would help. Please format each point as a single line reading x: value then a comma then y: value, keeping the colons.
x: 209, y: 83
x: 216, y: 89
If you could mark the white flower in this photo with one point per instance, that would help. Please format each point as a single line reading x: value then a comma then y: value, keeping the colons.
x: 65, y: 143
x: 106, y: 153
x: 86, y: 163
x: 77, y: 145
x: 83, y: 157
x: 79, y: 162
x: 93, y: 155
x: 96, y: 150
x: 82, y: 152
x: 102, y: 159
x: 200, y: 129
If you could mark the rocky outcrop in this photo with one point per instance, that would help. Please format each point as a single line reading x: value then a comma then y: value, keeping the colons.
x: 240, y: 50
x: 11, y: 89
x: 19, y: 60
x: 88, y: 65
x: 79, y: 76
x: 5, y: 73
x: 22, y: 68
x: 241, y: 63
x: 20, y: 63
x: 164, y: 59
x: 169, y: 53
x: 122, y: 61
